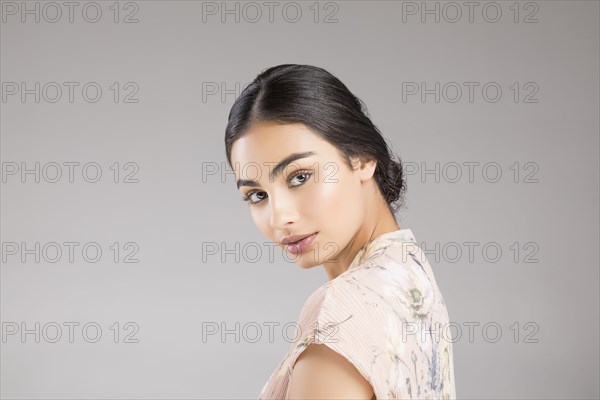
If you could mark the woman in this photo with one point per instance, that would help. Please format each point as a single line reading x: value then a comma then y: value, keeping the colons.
x: 321, y: 181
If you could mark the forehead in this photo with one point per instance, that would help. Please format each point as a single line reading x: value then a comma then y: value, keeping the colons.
x: 268, y: 142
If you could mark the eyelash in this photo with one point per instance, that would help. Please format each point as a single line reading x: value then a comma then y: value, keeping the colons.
x: 294, y: 175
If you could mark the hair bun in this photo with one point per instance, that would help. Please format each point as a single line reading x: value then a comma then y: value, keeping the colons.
x: 394, y: 182
x: 312, y: 96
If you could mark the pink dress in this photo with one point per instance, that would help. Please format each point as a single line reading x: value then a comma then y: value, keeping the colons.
x: 387, y: 316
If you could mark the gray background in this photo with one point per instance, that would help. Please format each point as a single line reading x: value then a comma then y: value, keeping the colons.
x: 173, y: 213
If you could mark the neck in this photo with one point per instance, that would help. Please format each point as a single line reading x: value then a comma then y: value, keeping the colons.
x: 380, y: 221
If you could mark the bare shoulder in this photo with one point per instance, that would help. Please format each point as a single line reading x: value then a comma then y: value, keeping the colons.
x: 321, y: 373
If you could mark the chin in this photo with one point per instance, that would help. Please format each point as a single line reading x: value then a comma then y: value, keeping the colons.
x: 306, y: 260
x: 304, y: 265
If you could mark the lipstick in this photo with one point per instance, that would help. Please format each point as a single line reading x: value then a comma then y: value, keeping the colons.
x: 301, y: 245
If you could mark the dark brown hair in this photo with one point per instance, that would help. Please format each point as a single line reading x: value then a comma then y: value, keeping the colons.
x: 293, y: 93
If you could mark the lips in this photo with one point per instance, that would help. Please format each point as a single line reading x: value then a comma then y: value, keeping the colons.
x: 302, y: 243
x: 294, y: 238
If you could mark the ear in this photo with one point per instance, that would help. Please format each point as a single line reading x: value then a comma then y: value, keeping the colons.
x: 365, y: 168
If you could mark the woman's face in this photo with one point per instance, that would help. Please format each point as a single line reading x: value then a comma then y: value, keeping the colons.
x: 314, y: 193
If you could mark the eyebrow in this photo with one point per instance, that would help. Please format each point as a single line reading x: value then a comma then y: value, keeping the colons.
x: 278, y: 168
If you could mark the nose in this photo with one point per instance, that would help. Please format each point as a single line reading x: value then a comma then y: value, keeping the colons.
x: 283, y: 211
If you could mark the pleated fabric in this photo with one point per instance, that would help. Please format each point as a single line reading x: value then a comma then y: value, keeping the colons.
x: 385, y: 315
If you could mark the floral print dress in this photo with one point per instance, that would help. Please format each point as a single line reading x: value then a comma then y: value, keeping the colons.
x: 387, y: 316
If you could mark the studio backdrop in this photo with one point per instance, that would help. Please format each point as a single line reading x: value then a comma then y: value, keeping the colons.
x: 132, y: 269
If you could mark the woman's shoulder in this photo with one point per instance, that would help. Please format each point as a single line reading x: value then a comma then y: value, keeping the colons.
x: 398, y: 280
x: 378, y: 309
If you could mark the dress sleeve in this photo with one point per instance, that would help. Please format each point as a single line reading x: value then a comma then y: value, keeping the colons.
x: 378, y: 322
x: 349, y: 324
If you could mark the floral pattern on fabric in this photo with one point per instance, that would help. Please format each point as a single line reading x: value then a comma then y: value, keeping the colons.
x: 386, y: 315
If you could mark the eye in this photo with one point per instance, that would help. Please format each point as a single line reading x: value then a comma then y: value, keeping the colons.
x: 248, y: 197
x: 304, y: 173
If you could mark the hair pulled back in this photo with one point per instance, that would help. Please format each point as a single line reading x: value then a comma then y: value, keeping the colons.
x: 294, y: 93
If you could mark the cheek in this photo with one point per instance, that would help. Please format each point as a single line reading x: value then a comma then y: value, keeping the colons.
x: 261, y: 220
x: 331, y: 201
